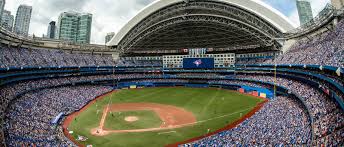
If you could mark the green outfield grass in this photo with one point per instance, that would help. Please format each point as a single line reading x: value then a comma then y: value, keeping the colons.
x: 147, y: 119
x: 218, y: 107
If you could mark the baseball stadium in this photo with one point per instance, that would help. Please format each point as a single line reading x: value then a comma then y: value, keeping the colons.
x: 186, y: 73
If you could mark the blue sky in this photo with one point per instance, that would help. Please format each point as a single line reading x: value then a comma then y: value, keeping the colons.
x: 112, y: 19
x: 288, y: 7
x: 285, y: 6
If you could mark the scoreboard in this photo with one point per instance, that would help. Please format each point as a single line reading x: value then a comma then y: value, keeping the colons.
x: 198, y: 63
x: 206, y: 61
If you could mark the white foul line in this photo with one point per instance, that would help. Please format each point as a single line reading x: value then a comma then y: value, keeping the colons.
x: 167, y: 132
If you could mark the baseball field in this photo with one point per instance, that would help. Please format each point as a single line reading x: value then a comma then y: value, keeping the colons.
x: 157, y: 116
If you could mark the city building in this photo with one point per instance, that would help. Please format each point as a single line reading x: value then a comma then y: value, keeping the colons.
x: 2, y: 6
x: 304, y: 9
x: 338, y: 3
x: 75, y: 27
x: 22, y: 21
x: 109, y: 36
x: 7, y: 20
x: 84, y: 28
x: 51, y: 30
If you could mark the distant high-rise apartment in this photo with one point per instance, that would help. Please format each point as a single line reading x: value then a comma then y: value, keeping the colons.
x: 51, y: 30
x: 338, y: 3
x: 75, y: 27
x: 22, y: 22
x: 7, y: 20
x: 109, y: 36
x: 305, y: 11
x: 2, y: 6
x: 84, y: 28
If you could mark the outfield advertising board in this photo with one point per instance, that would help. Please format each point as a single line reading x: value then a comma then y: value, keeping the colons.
x: 198, y: 63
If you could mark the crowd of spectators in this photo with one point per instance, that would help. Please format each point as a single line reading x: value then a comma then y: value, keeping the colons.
x: 162, y: 81
x: 22, y: 57
x: 325, y: 49
x: 251, y: 61
x: 334, y: 139
x: 202, y: 75
x: 28, y: 119
x: 326, y: 114
x: 233, y: 82
x: 130, y: 63
x: 32, y: 127
x: 328, y: 117
x: 9, y: 92
x: 281, y: 122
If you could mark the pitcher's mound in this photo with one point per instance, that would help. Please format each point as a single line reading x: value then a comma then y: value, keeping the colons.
x: 131, y: 118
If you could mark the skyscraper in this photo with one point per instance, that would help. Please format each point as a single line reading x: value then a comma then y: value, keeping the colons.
x: 305, y: 11
x: 75, y: 27
x: 84, y: 28
x: 109, y: 36
x: 2, y: 6
x: 67, y: 26
x: 338, y: 3
x: 7, y: 20
x: 51, y: 30
x: 23, y: 17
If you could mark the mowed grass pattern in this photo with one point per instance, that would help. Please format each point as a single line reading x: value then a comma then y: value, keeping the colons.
x: 146, y: 119
x: 213, y: 108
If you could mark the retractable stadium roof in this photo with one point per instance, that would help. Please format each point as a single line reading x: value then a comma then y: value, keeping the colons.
x: 178, y: 24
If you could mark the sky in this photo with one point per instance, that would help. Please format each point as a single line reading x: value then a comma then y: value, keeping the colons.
x: 112, y: 15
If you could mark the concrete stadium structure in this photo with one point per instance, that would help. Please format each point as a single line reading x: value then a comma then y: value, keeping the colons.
x: 177, y: 24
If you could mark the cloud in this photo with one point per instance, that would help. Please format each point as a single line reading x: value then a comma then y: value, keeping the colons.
x: 294, y: 17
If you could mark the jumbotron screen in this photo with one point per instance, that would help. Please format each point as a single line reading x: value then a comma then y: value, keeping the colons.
x: 198, y: 63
